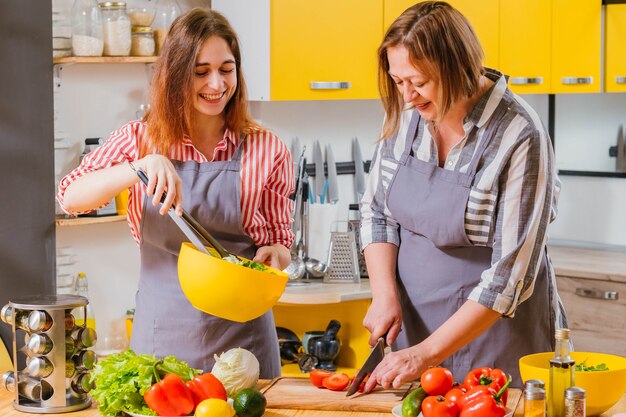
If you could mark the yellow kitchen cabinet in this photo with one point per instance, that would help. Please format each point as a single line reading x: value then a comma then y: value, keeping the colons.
x: 525, y: 28
x: 307, y: 50
x: 483, y: 15
x: 576, y: 46
x: 615, y: 36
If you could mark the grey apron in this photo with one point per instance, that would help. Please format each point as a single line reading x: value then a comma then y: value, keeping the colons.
x: 165, y: 322
x: 438, y: 266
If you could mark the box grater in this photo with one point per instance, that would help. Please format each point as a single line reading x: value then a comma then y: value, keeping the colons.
x: 343, y: 261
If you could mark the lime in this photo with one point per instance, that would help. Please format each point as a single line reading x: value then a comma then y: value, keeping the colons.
x: 249, y: 402
x: 214, y: 407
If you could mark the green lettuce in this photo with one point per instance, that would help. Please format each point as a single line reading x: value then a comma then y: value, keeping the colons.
x: 122, y: 378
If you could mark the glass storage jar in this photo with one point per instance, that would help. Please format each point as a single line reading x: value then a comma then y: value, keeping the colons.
x: 141, y: 12
x: 86, y: 28
x: 166, y: 12
x: 142, y: 41
x: 116, y: 28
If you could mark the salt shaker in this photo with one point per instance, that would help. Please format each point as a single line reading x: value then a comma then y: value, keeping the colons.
x: 575, y: 402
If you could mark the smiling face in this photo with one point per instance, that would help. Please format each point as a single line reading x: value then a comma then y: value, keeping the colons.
x: 416, y: 87
x: 215, y: 79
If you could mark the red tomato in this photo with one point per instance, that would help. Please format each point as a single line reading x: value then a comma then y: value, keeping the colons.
x: 438, y: 406
x: 318, y: 376
x: 437, y: 381
x: 336, y: 382
x: 455, y: 394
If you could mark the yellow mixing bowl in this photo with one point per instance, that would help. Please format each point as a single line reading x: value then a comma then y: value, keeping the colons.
x: 603, y: 388
x: 225, y: 289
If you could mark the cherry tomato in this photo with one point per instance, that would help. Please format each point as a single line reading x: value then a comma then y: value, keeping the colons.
x: 318, y: 376
x: 438, y: 406
x: 336, y: 382
x: 437, y: 381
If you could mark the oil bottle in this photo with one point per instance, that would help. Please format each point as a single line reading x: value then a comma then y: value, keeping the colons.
x: 82, y: 289
x: 561, y: 374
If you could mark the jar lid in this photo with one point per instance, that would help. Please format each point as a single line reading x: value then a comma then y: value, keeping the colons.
x: 112, y: 4
x: 534, y: 383
x: 573, y: 393
x: 535, y: 394
x: 561, y: 334
x: 141, y: 29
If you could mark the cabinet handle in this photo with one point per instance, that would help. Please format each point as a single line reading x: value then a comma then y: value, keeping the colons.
x: 525, y: 80
x: 603, y: 295
x: 576, y: 80
x: 620, y: 80
x: 330, y: 85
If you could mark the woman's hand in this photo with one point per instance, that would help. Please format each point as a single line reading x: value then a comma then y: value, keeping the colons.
x: 383, y: 316
x: 397, y: 368
x: 277, y: 256
x: 162, y: 178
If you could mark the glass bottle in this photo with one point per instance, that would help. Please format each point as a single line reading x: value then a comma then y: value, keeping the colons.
x: 166, y: 12
x: 86, y: 28
x: 115, y: 28
x: 82, y: 288
x: 575, y: 402
x: 561, y: 374
x: 534, y: 402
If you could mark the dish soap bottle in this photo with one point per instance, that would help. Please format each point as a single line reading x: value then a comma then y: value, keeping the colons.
x: 561, y: 374
x: 82, y: 289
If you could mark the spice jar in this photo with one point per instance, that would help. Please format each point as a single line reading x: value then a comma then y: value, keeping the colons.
x: 142, y: 43
x: 575, y: 402
x: 534, y: 402
x: 115, y: 29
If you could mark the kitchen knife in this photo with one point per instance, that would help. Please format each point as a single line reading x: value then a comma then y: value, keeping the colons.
x: 359, y: 171
x: 621, y: 156
x: 333, y: 187
x: 376, y: 355
x: 320, y: 178
x: 296, y: 151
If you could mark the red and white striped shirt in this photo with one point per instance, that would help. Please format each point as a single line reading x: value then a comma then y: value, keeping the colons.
x: 267, y: 178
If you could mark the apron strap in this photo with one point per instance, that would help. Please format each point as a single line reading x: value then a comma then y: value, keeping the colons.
x: 410, y: 136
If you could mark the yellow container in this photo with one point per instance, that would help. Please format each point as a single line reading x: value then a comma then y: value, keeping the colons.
x: 603, y: 388
x: 121, y: 203
x: 225, y: 289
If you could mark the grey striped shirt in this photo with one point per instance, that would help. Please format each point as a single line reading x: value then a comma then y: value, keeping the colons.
x: 512, y: 201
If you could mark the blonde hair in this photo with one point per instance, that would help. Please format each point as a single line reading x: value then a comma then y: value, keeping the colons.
x: 441, y: 41
x: 169, y: 118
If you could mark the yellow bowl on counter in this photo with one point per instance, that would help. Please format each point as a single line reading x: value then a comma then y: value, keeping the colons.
x: 227, y: 290
x: 603, y: 388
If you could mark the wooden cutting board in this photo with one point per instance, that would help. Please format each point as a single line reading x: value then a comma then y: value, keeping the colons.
x: 299, y: 393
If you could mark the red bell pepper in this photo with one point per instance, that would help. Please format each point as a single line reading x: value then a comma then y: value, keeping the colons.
x: 495, y: 378
x: 484, y: 403
x: 474, y: 393
x: 206, y: 386
x: 169, y: 396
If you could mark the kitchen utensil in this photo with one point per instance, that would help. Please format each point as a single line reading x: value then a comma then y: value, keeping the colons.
x: 227, y: 290
x: 320, y: 178
x: 326, y: 347
x: 45, y: 385
x: 333, y: 187
x: 309, y: 335
x: 354, y: 225
x: 300, y: 394
x: 192, y: 229
x: 376, y: 355
x: 343, y: 262
x: 290, y: 350
x: 620, y: 165
x: 296, y: 267
x: 359, y: 170
x: 315, y: 267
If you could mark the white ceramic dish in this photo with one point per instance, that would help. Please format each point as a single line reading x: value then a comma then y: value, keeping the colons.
x: 397, y: 411
x: 230, y: 401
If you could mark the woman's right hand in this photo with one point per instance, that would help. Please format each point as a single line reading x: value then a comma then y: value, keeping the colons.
x: 162, y: 178
x: 383, y: 316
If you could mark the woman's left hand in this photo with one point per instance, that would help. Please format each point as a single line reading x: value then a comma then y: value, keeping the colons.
x: 277, y: 256
x: 397, y: 368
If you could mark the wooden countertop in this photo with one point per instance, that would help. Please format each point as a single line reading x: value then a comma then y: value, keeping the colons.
x: 7, y: 410
x: 568, y: 261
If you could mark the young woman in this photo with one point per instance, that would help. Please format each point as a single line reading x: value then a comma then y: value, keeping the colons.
x: 461, y: 193
x: 200, y: 145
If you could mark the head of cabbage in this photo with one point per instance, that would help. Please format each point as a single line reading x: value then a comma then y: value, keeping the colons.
x: 237, y: 369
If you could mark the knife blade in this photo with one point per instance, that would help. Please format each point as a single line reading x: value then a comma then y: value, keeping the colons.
x: 376, y: 355
x: 333, y: 187
x: 621, y: 156
x: 320, y: 179
x: 359, y: 171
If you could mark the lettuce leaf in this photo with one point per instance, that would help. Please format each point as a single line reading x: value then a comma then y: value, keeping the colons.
x: 122, y: 378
